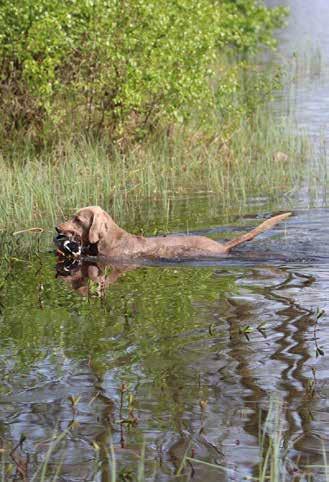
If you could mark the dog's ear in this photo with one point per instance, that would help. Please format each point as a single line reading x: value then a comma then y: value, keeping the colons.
x: 95, y: 228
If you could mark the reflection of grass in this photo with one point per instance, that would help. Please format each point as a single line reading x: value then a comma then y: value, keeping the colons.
x: 16, y: 464
x: 141, y: 310
x: 35, y: 193
x: 274, y: 465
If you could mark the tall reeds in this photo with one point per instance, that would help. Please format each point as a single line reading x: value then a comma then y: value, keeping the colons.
x: 261, y: 158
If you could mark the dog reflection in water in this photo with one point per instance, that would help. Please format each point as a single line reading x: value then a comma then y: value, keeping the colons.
x: 90, y: 278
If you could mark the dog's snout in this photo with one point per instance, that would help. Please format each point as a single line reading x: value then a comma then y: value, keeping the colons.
x: 57, y: 229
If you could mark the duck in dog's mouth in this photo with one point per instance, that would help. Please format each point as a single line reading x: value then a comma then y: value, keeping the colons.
x: 68, y: 246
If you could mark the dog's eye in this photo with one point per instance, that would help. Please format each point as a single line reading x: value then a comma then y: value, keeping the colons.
x: 78, y: 221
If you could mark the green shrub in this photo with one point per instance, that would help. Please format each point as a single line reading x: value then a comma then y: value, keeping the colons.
x: 119, y: 68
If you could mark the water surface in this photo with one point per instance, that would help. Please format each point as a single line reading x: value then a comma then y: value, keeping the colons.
x: 178, y: 358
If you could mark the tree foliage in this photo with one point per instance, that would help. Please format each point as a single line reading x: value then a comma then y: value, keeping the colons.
x: 119, y: 67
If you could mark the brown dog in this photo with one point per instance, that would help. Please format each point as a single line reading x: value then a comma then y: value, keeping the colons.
x: 93, y: 226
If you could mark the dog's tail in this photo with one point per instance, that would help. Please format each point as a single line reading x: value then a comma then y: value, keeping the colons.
x: 268, y: 224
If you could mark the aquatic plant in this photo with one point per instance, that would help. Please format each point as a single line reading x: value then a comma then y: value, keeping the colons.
x: 36, y: 193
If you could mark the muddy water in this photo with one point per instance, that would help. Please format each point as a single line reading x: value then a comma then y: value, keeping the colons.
x: 176, y: 359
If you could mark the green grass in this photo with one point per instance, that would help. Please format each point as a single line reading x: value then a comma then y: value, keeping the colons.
x: 275, y: 464
x: 35, y: 192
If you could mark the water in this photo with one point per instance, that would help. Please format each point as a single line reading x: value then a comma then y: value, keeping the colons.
x: 177, y: 358
x: 304, y: 48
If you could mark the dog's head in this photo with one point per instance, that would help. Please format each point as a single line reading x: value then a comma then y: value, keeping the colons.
x: 89, y: 225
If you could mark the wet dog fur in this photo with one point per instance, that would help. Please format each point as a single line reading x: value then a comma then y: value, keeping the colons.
x: 94, y: 227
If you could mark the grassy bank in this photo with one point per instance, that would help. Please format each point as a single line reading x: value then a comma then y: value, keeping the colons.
x: 122, y: 103
x: 36, y: 192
